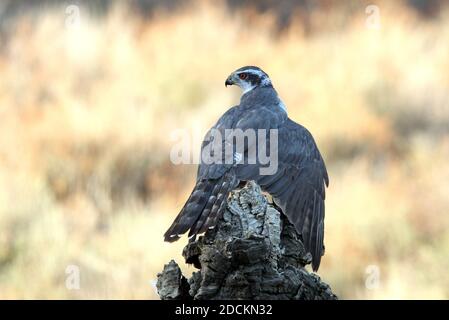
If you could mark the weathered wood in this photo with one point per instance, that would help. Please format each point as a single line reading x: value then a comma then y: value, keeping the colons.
x: 252, y: 253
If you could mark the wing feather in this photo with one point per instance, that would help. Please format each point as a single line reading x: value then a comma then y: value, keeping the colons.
x: 298, y: 186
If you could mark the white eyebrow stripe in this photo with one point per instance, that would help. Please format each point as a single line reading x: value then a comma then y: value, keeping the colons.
x: 253, y: 71
x: 265, y: 79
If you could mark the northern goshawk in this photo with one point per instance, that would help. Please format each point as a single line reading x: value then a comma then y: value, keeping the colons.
x: 297, y: 185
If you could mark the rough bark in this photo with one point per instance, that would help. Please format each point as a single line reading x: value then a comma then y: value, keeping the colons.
x: 252, y: 253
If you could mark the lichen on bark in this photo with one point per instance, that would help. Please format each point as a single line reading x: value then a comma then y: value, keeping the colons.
x: 253, y: 253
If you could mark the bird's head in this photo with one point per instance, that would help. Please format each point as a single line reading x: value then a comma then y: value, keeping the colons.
x: 248, y: 78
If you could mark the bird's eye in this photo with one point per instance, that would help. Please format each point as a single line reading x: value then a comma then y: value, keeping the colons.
x: 243, y: 76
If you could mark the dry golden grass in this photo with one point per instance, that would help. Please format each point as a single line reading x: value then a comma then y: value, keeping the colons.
x: 85, y: 117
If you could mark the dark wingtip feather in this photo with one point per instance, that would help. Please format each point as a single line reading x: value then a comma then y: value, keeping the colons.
x: 316, y: 263
x: 170, y: 237
x: 201, y: 208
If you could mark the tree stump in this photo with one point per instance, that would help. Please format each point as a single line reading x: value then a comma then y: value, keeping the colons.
x: 253, y: 253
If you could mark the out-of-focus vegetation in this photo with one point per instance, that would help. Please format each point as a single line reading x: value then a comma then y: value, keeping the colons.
x: 87, y: 112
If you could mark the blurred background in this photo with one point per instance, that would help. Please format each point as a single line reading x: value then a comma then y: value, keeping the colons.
x: 91, y: 92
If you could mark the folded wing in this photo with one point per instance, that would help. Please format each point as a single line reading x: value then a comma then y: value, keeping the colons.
x: 298, y: 186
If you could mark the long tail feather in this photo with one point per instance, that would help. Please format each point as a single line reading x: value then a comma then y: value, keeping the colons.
x: 206, y: 200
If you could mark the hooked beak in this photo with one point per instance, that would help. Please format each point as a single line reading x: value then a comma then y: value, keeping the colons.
x: 229, y: 81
